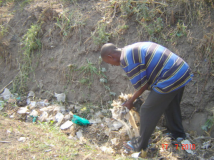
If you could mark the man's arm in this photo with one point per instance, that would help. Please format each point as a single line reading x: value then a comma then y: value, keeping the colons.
x: 129, y: 103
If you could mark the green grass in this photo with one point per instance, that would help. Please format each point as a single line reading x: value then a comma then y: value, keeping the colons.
x: 31, y: 42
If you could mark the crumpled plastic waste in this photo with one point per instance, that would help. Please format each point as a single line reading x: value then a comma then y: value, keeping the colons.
x: 206, y: 145
x: 94, y: 121
x: 31, y: 94
x: 34, y: 115
x: 187, y: 143
x: 115, y: 126
x: 59, y: 117
x: 51, y: 109
x: 60, y: 97
x: 32, y: 104
x: 66, y: 125
x: 43, y: 117
x: 115, y: 141
x: 6, y: 94
x: 42, y: 103
x: 136, y: 155
x: 79, y: 134
x: 107, y: 149
x: 22, y: 139
x: 22, y: 110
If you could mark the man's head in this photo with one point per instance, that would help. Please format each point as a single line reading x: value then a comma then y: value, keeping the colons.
x: 111, y: 54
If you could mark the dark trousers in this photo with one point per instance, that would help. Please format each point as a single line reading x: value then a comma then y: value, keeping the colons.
x: 155, y: 105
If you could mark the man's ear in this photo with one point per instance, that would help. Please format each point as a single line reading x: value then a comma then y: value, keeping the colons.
x: 110, y: 56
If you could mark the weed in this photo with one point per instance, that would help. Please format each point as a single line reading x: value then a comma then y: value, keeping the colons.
x: 89, y: 70
x: 85, y: 81
x: 154, y: 28
x: 68, y: 21
x: 181, y: 29
x: 100, y: 35
x: 208, y: 124
x: 31, y: 42
x: 2, y: 104
x: 3, y: 30
x: 25, y: 2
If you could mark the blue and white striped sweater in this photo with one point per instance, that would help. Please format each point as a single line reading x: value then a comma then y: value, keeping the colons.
x: 148, y: 62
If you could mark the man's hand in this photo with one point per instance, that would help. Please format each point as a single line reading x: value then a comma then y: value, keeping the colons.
x: 128, y: 104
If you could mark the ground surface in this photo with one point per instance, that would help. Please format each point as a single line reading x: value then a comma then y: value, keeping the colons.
x: 42, y: 142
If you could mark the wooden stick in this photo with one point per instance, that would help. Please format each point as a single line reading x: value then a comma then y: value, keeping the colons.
x: 132, y: 122
x: 6, y: 86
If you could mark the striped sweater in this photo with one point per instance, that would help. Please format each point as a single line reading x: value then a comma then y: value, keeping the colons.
x: 148, y: 62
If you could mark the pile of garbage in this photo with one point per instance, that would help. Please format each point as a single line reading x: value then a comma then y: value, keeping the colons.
x: 106, y: 131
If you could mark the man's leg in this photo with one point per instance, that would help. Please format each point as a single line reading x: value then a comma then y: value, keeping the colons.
x: 173, y: 116
x: 150, y: 114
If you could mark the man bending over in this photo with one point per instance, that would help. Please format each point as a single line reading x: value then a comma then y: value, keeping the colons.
x: 151, y: 66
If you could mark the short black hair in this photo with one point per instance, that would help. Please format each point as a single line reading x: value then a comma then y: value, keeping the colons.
x: 107, y: 49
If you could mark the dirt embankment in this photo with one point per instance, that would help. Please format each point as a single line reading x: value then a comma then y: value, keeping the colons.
x: 53, y: 46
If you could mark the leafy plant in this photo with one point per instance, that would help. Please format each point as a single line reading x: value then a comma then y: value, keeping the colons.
x: 100, y: 36
x: 3, y: 30
x: 68, y: 21
x: 208, y: 124
x: 31, y: 42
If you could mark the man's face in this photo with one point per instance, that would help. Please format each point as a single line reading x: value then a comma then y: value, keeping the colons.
x: 111, y: 60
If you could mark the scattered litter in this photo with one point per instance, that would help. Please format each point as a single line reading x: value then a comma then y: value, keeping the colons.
x: 79, y: 134
x: 116, y: 125
x: 59, y: 117
x: 43, y: 117
x: 28, y: 101
x: 80, y: 121
x: 6, y: 94
x: 22, y: 139
x: 187, y: 143
x: 94, y: 121
x: 60, y: 97
x: 51, y: 145
x: 206, y: 145
x: 31, y: 94
x: 48, y: 150
x: 98, y: 114
x: 107, y: 149
x: 136, y: 155
x: 115, y: 141
x: 32, y: 104
x: 23, y: 110
x: 4, y: 141
x: 42, y: 103
x: 111, y: 131
x: 34, y: 113
x: 8, y: 131
x: 67, y: 117
x: 12, y: 116
x: 66, y: 125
